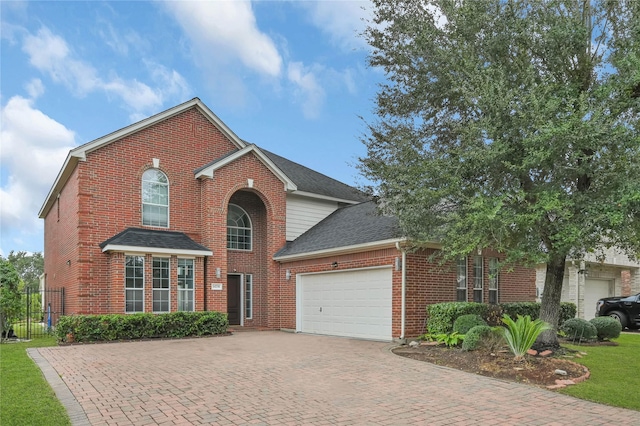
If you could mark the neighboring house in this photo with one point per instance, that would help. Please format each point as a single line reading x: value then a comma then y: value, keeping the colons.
x: 590, y: 279
x: 176, y: 212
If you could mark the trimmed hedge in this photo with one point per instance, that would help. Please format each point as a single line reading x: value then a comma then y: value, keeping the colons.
x: 607, y: 327
x: 474, y: 336
x: 579, y: 330
x: 441, y: 316
x: 465, y: 323
x: 91, y: 328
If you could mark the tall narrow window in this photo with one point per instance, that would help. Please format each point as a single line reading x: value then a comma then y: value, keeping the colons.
x: 155, y: 198
x: 493, y: 280
x: 185, y: 284
x: 248, y: 296
x: 478, y: 278
x: 461, y: 279
x: 134, y: 284
x: 161, y: 285
x: 238, y: 229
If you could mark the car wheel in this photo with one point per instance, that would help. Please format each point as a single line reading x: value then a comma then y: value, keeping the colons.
x: 620, y: 317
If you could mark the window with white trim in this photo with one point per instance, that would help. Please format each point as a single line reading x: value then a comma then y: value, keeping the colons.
x: 248, y: 296
x: 461, y: 280
x: 238, y: 228
x: 161, y: 301
x: 185, y: 285
x: 478, y: 278
x: 493, y: 280
x: 155, y: 198
x: 134, y: 284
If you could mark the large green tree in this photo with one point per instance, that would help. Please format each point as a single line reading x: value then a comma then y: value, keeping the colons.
x: 509, y: 124
x: 28, y: 266
x: 10, y: 296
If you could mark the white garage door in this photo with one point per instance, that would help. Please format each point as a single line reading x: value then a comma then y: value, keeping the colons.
x: 594, y: 290
x: 349, y: 303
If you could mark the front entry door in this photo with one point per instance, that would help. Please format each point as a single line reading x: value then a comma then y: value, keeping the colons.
x: 233, y: 299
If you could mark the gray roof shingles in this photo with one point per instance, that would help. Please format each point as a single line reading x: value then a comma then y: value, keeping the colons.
x: 351, y: 225
x: 150, y: 238
x: 306, y: 180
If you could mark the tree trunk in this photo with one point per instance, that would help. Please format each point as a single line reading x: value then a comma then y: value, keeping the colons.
x: 550, y: 306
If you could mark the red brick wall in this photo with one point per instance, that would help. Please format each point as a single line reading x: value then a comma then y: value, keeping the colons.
x: 103, y: 197
x: 427, y: 282
x: 61, y: 248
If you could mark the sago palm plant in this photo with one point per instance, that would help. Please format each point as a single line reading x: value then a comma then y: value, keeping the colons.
x: 522, y: 333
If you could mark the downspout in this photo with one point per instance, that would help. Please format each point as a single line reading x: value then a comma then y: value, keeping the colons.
x: 403, y: 302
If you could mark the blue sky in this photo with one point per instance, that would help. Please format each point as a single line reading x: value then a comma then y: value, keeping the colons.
x: 288, y: 76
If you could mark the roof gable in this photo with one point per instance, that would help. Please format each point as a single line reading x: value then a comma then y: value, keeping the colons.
x: 209, y: 169
x: 80, y: 153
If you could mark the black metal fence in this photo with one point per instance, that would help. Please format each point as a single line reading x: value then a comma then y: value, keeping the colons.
x: 42, y: 309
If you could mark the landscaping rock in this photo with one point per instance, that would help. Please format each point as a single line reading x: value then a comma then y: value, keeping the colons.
x: 532, y: 352
x: 546, y: 353
x: 560, y: 372
x: 414, y: 344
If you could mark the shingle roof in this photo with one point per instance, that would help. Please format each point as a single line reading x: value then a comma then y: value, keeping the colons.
x: 351, y: 225
x: 150, y: 238
x: 311, y: 181
x: 304, y: 178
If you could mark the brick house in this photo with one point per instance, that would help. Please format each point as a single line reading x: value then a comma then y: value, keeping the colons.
x: 176, y: 212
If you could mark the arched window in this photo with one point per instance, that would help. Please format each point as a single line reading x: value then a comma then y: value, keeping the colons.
x: 155, y: 198
x: 238, y: 229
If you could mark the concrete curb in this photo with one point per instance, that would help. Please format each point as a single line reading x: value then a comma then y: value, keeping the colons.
x: 74, y: 410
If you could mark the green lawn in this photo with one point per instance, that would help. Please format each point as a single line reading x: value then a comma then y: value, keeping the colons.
x: 25, y: 397
x: 614, y: 373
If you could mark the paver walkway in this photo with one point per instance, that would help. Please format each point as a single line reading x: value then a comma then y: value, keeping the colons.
x: 278, y: 378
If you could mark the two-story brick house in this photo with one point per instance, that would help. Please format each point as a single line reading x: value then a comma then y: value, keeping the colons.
x: 176, y: 212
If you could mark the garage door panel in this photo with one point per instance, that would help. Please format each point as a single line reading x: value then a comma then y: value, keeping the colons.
x: 350, y: 303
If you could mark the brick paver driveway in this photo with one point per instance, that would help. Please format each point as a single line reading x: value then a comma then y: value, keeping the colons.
x: 277, y: 378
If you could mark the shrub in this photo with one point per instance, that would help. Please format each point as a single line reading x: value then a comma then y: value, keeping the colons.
x: 522, y: 333
x: 474, y: 336
x: 441, y: 316
x: 464, y: 323
x: 37, y: 329
x: 450, y: 339
x: 89, y: 328
x: 578, y: 329
x: 606, y: 327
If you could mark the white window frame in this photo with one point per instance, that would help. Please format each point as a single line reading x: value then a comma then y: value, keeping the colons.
x: 462, y: 277
x: 144, y: 181
x: 239, y: 228
x: 478, y: 278
x: 248, y: 296
x: 167, y: 290
x: 136, y: 289
x: 192, y: 290
x: 494, y: 279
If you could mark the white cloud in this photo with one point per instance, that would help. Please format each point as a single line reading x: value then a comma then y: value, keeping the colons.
x: 50, y: 54
x: 227, y: 31
x: 34, y: 147
x: 308, y: 91
x: 343, y: 21
x: 35, y: 88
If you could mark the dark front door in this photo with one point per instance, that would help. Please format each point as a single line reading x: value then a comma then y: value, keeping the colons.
x: 233, y: 299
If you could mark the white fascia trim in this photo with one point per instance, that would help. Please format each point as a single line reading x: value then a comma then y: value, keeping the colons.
x: 324, y: 197
x: 356, y: 248
x: 63, y: 175
x: 80, y: 152
x: 289, y: 186
x: 154, y: 250
x: 147, y: 122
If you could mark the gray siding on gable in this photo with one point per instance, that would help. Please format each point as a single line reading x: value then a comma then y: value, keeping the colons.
x: 304, y: 213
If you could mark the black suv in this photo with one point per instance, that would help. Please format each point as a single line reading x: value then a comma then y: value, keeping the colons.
x: 624, y: 309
